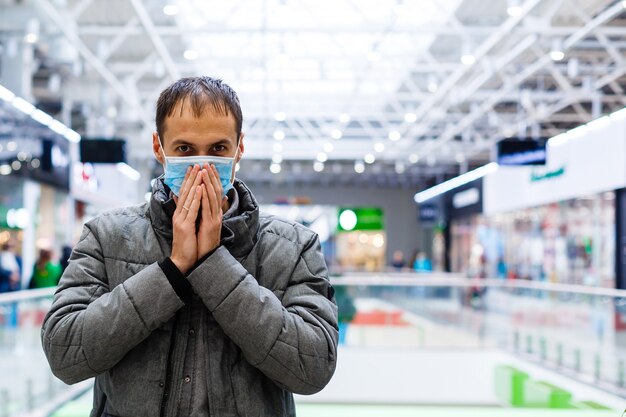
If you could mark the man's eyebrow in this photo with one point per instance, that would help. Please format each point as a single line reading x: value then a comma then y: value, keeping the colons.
x: 180, y: 142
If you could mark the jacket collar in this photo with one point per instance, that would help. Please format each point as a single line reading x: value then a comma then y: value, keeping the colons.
x: 239, y: 232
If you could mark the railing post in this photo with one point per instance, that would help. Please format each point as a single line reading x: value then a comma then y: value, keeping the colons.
x: 30, y: 395
x: 543, y: 351
x: 559, y: 354
x: 4, y: 403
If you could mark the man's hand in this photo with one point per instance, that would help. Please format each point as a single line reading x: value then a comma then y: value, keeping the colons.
x: 210, y: 228
x: 184, y: 242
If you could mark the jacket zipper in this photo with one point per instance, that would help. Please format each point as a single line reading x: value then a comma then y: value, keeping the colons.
x: 168, y: 372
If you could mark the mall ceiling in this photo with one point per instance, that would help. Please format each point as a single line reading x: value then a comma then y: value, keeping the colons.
x: 392, y: 92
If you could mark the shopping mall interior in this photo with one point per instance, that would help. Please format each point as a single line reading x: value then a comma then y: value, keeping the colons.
x: 462, y: 164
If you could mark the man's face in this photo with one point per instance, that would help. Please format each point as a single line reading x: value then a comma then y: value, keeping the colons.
x: 211, y: 134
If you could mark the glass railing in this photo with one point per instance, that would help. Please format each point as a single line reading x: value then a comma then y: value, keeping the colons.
x: 27, y: 386
x: 577, y: 331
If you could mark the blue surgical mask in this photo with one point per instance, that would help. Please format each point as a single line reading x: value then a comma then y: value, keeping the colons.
x: 176, y: 168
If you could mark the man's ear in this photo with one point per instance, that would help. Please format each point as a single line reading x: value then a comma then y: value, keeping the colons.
x: 156, y: 148
x: 241, y: 147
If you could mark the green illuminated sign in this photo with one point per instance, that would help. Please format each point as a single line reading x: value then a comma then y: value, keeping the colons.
x: 362, y: 218
x: 540, y: 175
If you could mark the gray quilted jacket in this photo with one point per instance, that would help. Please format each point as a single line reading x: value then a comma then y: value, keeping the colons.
x: 262, y: 323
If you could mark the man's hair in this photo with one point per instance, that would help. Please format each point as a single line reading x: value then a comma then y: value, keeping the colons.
x: 199, y: 92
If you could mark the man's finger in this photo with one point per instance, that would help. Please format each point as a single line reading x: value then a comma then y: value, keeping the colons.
x: 212, y: 193
x: 195, y: 204
x: 217, y: 186
x: 206, y: 206
x: 184, y: 188
x: 186, y: 206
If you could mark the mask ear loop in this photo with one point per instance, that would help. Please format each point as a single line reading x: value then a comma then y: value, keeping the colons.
x: 162, y: 150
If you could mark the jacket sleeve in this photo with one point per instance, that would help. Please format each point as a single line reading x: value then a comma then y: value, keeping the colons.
x: 294, y: 342
x: 90, y: 326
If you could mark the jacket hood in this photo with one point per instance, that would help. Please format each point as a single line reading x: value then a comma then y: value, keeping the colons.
x: 239, y: 232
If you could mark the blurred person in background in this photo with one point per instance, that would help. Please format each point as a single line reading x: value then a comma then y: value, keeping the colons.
x: 195, y: 303
x: 66, y: 252
x: 10, y: 267
x: 46, y: 272
x: 397, y: 261
x: 421, y: 263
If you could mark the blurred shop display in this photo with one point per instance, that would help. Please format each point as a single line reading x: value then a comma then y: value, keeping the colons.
x: 35, y: 164
x: 554, y: 223
x: 361, y: 239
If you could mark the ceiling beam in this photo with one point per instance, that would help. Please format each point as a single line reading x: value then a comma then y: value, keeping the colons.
x: 69, y: 32
x: 158, y: 43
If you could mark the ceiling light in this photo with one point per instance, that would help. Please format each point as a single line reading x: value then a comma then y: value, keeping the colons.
x: 23, y: 105
x: 414, y: 158
x: 5, y: 169
x: 455, y: 182
x: 460, y: 158
x: 336, y: 134
x: 394, y: 135
x: 373, y: 56
x: 278, y: 147
x: 344, y: 118
x: 32, y: 31
x: 433, y: 85
x: 31, y: 38
x: 318, y: 166
x: 277, y: 158
x: 191, y: 54
x: 468, y: 59
x: 41, y: 117
x: 557, y: 52
x: 16, y: 165
x: 279, y: 135
x: 322, y: 157
x: 275, y: 168
x: 171, y: 9
x: 57, y: 127
x: 410, y: 117
x: 379, y: 147
x: 35, y: 163
x: 280, y: 116
x: 72, y: 135
x: 6, y: 94
x: 11, y: 146
x: 514, y: 11
x: 359, y: 167
x: 557, y: 55
x: 369, y: 158
x: 400, y: 168
x: 329, y: 147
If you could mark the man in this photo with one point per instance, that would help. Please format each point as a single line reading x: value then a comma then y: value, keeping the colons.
x: 195, y: 304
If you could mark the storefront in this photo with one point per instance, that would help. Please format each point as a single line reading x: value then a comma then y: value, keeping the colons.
x: 361, y: 240
x: 468, y: 247
x: 34, y: 183
x: 557, y: 222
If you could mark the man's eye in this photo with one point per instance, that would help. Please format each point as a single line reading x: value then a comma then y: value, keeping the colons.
x: 219, y: 148
x: 183, y: 148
